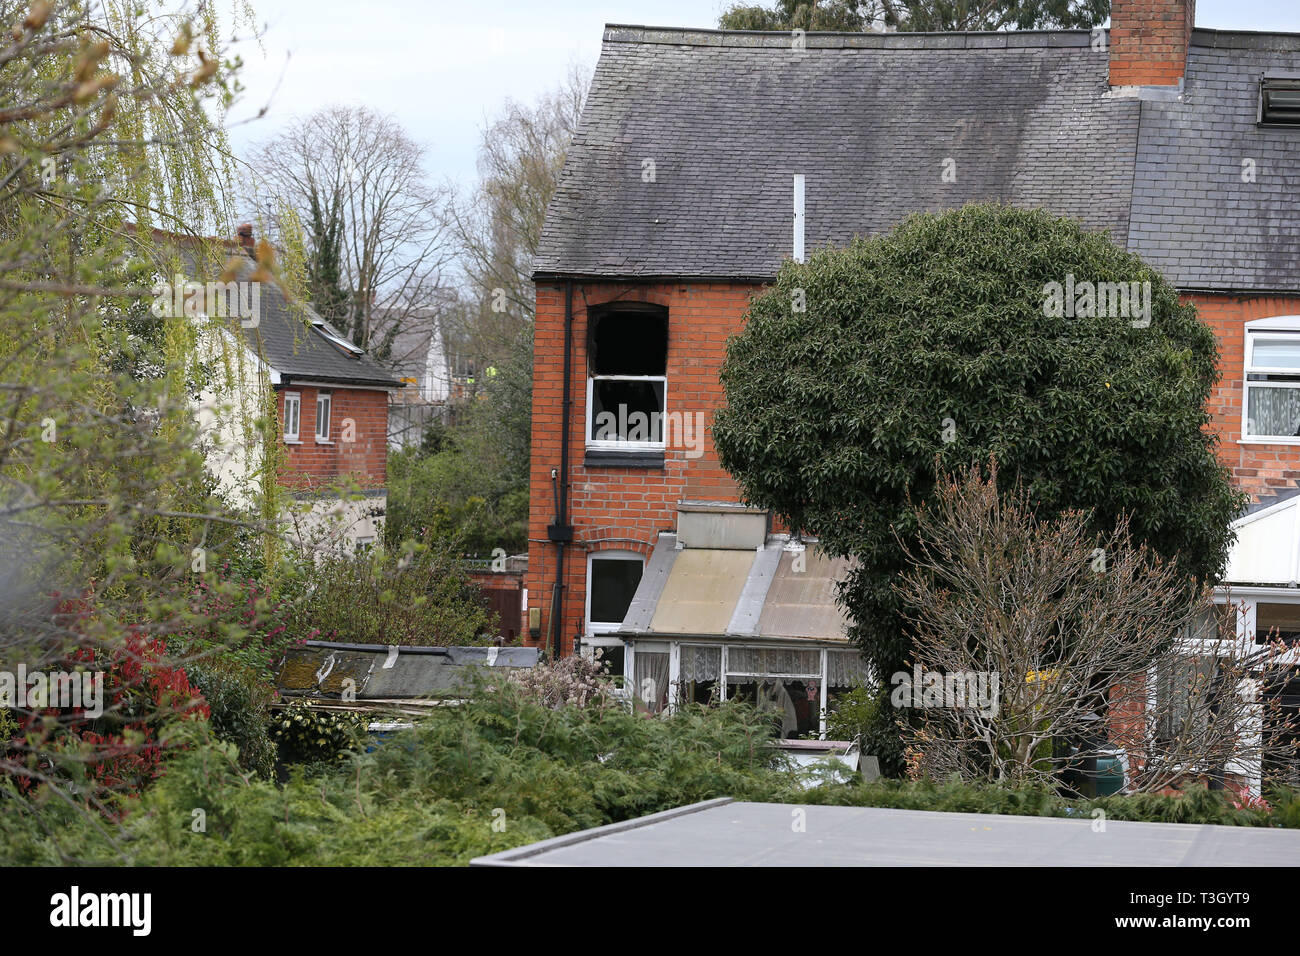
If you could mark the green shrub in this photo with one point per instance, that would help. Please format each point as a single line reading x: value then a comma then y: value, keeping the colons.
x: 416, y: 594
x: 306, y: 736
x: 501, y: 771
x: 853, y: 714
x: 239, y: 700
x: 861, y: 369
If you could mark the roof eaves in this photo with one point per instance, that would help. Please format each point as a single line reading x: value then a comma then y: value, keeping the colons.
x: 549, y: 276
x: 289, y: 378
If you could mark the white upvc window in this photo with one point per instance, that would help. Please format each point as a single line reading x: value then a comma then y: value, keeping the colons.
x: 323, y: 402
x: 292, y: 415
x: 626, y: 412
x: 612, y: 579
x: 801, y: 684
x: 1271, y: 405
x: 627, y: 378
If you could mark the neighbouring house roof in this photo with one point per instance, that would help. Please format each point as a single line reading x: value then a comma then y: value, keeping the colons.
x: 727, y: 119
x: 1266, y: 550
x: 380, y: 675
x: 416, y: 351
x: 738, y: 594
x: 1194, y: 216
x: 291, y: 338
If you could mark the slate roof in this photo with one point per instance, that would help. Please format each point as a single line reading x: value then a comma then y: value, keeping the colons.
x: 729, y: 117
x: 284, y: 336
x: 1192, y: 215
x: 320, y: 670
x: 286, y: 339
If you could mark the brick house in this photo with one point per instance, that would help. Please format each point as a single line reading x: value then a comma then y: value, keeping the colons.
x: 331, y: 404
x: 704, y: 158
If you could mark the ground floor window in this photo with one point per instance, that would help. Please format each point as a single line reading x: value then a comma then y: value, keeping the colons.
x: 612, y: 579
x: 650, y: 678
x: 1277, y: 621
x: 786, y: 682
x: 700, y: 670
x: 796, y: 685
x: 606, y: 651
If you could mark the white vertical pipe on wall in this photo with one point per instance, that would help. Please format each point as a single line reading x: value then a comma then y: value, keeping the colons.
x: 798, y: 217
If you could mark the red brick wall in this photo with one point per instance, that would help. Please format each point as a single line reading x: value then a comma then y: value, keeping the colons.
x: 1255, y: 468
x: 625, y: 508
x: 309, y: 464
x: 621, y: 508
x: 1148, y: 41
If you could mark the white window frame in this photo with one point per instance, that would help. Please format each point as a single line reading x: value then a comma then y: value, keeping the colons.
x: 592, y: 643
x: 615, y: 445
x: 1245, y: 614
x: 595, y: 629
x: 1277, y: 328
x: 294, y: 398
x: 653, y: 647
x: 328, y: 332
x: 674, y: 650
x: 328, y: 399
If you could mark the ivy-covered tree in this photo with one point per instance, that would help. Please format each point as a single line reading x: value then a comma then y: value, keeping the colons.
x: 867, y: 370
x: 917, y: 16
x: 325, y: 287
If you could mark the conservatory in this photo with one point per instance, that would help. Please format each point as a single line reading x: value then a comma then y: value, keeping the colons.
x: 754, y: 619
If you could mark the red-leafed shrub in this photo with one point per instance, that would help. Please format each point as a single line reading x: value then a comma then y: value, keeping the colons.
x: 121, y: 749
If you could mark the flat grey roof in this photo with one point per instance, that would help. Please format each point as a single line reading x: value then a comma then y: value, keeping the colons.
x: 724, y: 832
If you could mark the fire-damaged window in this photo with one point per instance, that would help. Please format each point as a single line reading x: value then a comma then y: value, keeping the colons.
x: 627, y: 363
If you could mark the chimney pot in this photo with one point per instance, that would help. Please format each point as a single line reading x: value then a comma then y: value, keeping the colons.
x: 245, y: 236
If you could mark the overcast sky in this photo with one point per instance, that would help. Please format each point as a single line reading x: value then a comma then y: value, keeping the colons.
x: 443, y: 68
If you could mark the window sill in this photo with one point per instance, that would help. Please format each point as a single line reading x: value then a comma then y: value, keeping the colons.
x: 605, y: 458
x: 293, y: 441
x: 1294, y: 440
x: 323, y: 441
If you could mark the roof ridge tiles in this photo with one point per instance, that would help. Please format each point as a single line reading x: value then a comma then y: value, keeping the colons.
x: 969, y: 39
x: 814, y: 40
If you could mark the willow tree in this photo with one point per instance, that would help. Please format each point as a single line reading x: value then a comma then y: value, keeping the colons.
x: 112, y: 125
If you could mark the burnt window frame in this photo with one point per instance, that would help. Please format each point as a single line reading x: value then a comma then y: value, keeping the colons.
x: 621, y: 451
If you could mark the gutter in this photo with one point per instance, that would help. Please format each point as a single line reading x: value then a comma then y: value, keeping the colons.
x: 657, y: 279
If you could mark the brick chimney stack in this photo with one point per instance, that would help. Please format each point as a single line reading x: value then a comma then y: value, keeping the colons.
x: 245, y: 236
x: 1149, y: 40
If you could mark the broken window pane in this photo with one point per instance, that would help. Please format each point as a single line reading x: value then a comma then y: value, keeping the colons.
x: 624, y: 410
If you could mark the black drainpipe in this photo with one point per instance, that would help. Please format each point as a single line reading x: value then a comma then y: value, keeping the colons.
x: 561, y: 532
